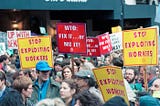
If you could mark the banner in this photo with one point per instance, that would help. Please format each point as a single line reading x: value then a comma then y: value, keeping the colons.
x: 13, y: 35
x: 104, y: 43
x: 111, y: 82
x: 34, y: 49
x: 116, y: 41
x: 71, y: 38
x: 140, y: 47
x: 93, y: 47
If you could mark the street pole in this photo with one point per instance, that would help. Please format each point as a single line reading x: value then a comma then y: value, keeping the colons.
x: 122, y: 14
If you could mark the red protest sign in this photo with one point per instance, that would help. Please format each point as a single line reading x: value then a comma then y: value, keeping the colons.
x: 71, y: 38
x: 104, y: 43
x: 93, y: 47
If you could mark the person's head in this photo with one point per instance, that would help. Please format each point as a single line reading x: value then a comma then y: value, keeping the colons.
x: 58, y: 77
x: 26, y: 72
x: 148, y: 101
x: 85, y: 98
x: 68, y: 89
x: 86, y: 66
x: 85, y: 79
x: 20, y: 73
x: 107, y: 59
x: 33, y: 73
x: 58, y: 66
x: 116, y: 101
x: 43, y: 70
x: 117, y: 61
x: 77, y: 64
x: 51, y: 102
x: 156, y: 85
x: 2, y: 80
x: 23, y: 85
x: 130, y: 74
x: 4, y: 59
x: 151, y: 72
x: 67, y: 72
x: 142, y: 70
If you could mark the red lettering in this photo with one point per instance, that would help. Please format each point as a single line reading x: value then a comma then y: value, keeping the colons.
x: 10, y: 34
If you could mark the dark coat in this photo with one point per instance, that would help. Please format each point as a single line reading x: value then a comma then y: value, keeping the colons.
x: 5, y: 92
x: 13, y: 98
x: 52, y: 91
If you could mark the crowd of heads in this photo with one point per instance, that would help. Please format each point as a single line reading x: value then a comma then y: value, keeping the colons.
x: 71, y: 80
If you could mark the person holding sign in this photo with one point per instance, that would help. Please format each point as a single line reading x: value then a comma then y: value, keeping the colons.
x: 86, y: 81
x: 44, y: 86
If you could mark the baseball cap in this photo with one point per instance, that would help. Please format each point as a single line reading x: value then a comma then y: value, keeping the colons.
x: 85, y: 74
x: 43, y: 66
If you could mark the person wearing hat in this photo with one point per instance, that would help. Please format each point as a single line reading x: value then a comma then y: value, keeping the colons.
x: 86, y: 81
x: 44, y: 86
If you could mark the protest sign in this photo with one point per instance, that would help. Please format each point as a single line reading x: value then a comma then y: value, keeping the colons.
x: 116, y: 29
x: 93, y: 47
x: 13, y: 35
x: 104, y: 43
x: 116, y: 41
x: 34, y: 49
x: 110, y: 81
x: 140, y: 47
x: 71, y: 38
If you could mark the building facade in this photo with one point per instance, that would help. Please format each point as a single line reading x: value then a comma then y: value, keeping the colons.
x: 99, y: 15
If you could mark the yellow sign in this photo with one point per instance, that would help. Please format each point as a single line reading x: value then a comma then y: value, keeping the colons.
x: 34, y: 49
x: 140, y: 47
x: 116, y: 29
x: 110, y: 81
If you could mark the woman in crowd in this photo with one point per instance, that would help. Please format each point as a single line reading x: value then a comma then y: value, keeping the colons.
x: 67, y: 72
x: 67, y: 91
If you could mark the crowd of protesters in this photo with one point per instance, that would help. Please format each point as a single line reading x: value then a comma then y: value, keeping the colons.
x: 71, y: 82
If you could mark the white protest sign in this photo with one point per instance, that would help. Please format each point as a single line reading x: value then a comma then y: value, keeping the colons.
x: 13, y: 35
x: 116, y: 41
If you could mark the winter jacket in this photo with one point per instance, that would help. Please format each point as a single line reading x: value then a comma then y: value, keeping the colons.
x: 52, y: 91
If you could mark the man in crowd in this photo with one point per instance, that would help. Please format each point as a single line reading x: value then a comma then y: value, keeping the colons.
x: 86, y: 81
x: 4, y: 60
x: 131, y: 75
x: 151, y: 75
x: 44, y: 86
